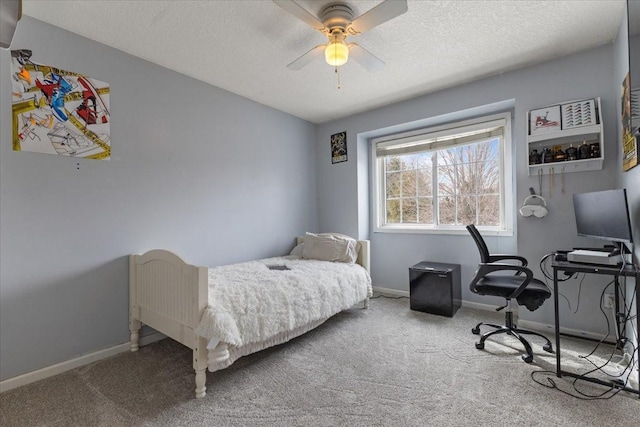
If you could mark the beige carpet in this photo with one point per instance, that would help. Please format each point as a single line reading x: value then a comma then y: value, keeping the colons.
x: 386, y: 366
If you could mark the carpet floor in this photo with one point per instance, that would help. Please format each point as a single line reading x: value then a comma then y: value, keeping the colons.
x: 385, y: 366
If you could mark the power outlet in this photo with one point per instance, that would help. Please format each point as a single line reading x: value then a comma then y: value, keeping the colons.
x: 609, y: 301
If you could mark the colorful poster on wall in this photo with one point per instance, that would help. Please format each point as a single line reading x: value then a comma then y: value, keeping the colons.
x: 339, y: 147
x: 57, y: 111
x: 629, y: 141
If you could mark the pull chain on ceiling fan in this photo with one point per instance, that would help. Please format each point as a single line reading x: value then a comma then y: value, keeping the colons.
x: 337, y: 23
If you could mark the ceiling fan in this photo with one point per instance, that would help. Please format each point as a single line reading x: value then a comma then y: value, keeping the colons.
x: 336, y: 21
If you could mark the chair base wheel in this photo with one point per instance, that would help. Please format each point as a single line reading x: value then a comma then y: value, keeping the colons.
x: 548, y: 348
x: 479, y: 345
x: 527, y: 358
x: 475, y: 331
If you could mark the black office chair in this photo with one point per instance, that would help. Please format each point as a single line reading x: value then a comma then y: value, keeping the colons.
x: 526, y: 290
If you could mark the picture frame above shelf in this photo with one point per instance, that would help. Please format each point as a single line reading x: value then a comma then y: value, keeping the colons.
x: 544, y: 121
x: 575, y: 146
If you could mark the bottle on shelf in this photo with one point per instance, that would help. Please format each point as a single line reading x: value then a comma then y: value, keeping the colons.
x: 584, y: 152
x: 534, y: 157
x: 558, y: 154
x: 571, y: 153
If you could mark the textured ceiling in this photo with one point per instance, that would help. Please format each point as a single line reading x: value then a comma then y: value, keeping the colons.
x: 244, y: 46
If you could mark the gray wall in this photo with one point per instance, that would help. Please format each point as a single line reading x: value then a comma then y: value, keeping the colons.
x: 584, y: 75
x: 194, y: 169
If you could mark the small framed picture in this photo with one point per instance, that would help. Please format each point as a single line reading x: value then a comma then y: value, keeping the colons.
x: 339, y: 147
x: 544, y: 120
x: 576, y: 114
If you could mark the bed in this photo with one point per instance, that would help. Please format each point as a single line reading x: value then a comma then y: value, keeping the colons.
x: 227, y: 312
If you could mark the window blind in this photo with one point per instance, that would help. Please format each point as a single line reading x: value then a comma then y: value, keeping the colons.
x: 423, y: 140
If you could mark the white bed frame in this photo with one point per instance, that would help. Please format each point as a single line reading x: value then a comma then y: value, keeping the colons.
x: 170, y: 295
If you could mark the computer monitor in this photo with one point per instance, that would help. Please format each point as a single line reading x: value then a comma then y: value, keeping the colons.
x: 603, y: 215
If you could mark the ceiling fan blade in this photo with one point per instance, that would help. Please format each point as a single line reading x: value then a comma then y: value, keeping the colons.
x: 301, y: 13
x: 307, y: 57
x: 383, y: 12
x: 365, y: 58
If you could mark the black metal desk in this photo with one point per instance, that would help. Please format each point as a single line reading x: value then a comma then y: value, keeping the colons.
x: 615, y: 272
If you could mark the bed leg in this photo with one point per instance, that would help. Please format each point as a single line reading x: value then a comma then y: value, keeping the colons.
x: 134, y: 327
x: 200, y: 366
x: 201, y: 379
x: 366, y: 303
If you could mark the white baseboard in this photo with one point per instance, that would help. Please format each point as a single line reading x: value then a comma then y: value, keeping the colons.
x: 50, y: 371
x: 527, y: 324
x: 390, y: 292
x: 543, y: 327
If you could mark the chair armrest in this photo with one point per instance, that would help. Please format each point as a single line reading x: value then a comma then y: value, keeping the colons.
x: 500, y: 257
x: 486, y: 268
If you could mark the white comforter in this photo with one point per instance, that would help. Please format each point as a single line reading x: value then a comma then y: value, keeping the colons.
x: 250, y: 303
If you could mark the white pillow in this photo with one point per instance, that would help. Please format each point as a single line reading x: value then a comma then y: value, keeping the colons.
x: 297, y: 251
x: 329, y: 247
x: 343, y: 236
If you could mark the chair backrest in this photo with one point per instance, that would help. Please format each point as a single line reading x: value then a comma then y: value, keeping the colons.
x: 482, y: 246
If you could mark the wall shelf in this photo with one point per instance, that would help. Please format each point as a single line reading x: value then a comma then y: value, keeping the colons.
x: 561, y: 136
x: 569, y: 166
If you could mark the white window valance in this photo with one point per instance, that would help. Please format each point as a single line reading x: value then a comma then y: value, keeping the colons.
x: 433, y: 139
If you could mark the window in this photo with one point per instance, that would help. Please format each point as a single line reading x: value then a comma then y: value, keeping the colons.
x: 442, y: 179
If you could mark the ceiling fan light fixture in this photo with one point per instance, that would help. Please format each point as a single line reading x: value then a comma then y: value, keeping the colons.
x: 337, y: 52
x: 337, y: 21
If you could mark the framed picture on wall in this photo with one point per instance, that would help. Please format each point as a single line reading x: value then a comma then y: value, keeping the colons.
x: 339, y: 147
x: 579, y: 113
x: 544, y: 120
x: 629, y: 140
x: 59, y: 112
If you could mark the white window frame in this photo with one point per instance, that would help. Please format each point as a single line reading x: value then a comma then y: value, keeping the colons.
x: 506, y: 188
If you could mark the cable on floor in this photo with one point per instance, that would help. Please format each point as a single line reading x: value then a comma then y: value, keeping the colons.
x: 613, y: 390
x: 387, y: 296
